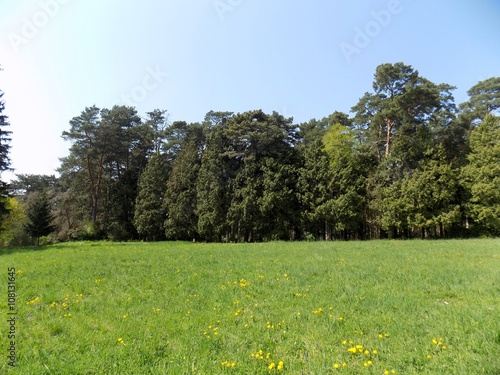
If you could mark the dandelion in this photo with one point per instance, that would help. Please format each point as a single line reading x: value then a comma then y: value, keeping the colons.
x: 271, y: 366
x: 121, y: 341
x: 374, y: 351
x: 344, y: 364
x: 280, y: 365
x: 367, y: 352
x: 33, y: 301
x: 336, y: 366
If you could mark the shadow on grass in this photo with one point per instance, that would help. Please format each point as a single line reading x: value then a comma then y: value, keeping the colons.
x: 34, y: 248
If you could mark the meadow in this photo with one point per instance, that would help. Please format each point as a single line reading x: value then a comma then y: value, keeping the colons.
x: 381, y: 307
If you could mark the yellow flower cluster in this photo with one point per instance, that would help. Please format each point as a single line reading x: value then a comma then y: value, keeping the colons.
x: 336, y: 366
x: 272, y: 326
x: 357, y: 349
x: 318, y: 311
x: 33, y: 301
x: 100, y: 280
x: 259, y: 355
x: 244, y: 283
x: 228, y: 364
x: 278, y: 367
x: 438, y: 346
x: 121, y: 341
x: 387, y: 372
x: 211, y: 330
x: 65, y: 305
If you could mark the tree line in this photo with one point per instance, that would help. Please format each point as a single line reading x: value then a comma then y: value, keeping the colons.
x: 408, y: 163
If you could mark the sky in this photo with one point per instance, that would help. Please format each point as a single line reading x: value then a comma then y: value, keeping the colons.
x: 302, y: 59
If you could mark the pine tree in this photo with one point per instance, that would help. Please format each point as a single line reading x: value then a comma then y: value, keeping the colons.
x: 4, y: 156
x: 39, y: 218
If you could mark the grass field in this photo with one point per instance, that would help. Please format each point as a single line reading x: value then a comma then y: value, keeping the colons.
x: 383, y: 307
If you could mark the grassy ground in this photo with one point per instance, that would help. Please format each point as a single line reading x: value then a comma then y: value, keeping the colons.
x: 415, y: 307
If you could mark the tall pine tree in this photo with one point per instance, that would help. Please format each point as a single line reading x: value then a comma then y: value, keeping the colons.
x: 4, y: 155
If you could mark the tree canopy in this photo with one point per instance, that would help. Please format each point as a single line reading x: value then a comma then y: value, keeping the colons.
x: 408, y: 163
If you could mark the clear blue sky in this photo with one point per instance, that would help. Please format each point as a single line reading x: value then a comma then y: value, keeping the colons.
x: 303, y: 59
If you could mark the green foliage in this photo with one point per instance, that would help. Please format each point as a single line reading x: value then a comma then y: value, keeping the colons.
x: 109, y: 151
x: 182, y: 308
x: 4, y: 156
x: 39, y: 217
x: 431, y: 195
x: 338, y: 143
x: 484, y: 99
x: 482, y: 174
x: 263, y: 205
x: 212, y: 195
x: 180, y: 195
x: 12, y: 232
x: 390, y: 171
x: 149, y: 211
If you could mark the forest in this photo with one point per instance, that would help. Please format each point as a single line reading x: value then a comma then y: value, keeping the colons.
x: 407, y: 162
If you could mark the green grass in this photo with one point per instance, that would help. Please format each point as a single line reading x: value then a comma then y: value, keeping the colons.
x: 183, y: 308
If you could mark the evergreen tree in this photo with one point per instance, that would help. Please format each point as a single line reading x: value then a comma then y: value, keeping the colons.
x: 180, y: 195
x: 257, y: 140
x: 149, y: 211
x: 482, y: 174
x: 430, y: 196
x: 39, y: 217
x: 484, y: 100
x: 212, y: 187
x: 314, y: 177
x: 4, y: 156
